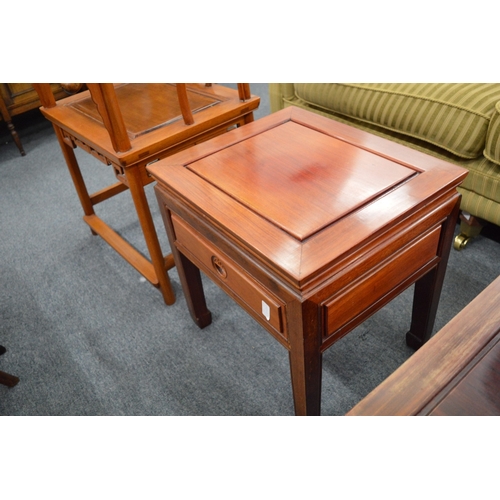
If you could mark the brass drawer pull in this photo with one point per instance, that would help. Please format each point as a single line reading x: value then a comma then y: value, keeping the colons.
x: 219, y: 267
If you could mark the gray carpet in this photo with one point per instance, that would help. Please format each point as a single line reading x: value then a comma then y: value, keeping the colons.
x: 87, y: 337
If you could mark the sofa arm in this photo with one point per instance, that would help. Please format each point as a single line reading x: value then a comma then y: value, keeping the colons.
x: 492, y: 148
x: 278, y: 92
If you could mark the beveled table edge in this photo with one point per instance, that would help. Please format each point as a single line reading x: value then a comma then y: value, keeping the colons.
x: 288, y: 254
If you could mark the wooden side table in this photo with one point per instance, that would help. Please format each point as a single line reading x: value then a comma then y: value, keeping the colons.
x: 456, y: 373
x: 311, y: 226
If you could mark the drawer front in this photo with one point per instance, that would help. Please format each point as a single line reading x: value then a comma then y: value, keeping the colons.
x: 231, y: 277
x: 372, y: 286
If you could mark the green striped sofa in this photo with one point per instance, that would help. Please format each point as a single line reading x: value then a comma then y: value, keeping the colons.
x: 457, y: 122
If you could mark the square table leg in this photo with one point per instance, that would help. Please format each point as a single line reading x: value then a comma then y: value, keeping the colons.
x: 189, y: 276
x: 428, y: 288
x: 305, y: 358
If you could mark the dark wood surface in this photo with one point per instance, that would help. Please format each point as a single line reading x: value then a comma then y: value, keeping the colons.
x: 311, y: 226
x: 456, y: 373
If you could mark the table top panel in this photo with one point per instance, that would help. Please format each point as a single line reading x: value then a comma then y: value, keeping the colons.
x: 299, y: 178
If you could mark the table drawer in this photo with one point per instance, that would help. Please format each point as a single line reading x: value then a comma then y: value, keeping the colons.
x: 372, y: 286
x: 263, y: 305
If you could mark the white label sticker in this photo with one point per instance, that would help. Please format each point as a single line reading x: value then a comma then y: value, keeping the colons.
x: 266, y: 311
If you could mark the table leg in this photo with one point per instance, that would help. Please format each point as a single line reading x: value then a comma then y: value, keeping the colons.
x: 428, y: 288
x: 305, y: 359
x: 189, y: 275
x: 6, y: 378
x: 4, y: 112
x: 133, y: 175
x: 192, y: 286
x: 76, y: 174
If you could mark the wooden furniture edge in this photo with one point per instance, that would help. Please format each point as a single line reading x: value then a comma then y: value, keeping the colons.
x: 434, y: 366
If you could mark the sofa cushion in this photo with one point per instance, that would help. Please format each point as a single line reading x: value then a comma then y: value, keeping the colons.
x: 453, y: 116
x: 492, y: 149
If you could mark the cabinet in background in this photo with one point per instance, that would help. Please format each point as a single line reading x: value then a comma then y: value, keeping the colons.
x: 17, y: 98
x: 22, y: 97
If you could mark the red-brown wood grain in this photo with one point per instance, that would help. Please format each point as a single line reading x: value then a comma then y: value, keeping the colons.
x: 323, y: 224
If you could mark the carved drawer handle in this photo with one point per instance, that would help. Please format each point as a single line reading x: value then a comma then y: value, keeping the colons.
x: 219, y: 267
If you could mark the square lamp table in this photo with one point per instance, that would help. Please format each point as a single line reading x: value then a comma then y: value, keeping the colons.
x: 311, y: 226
